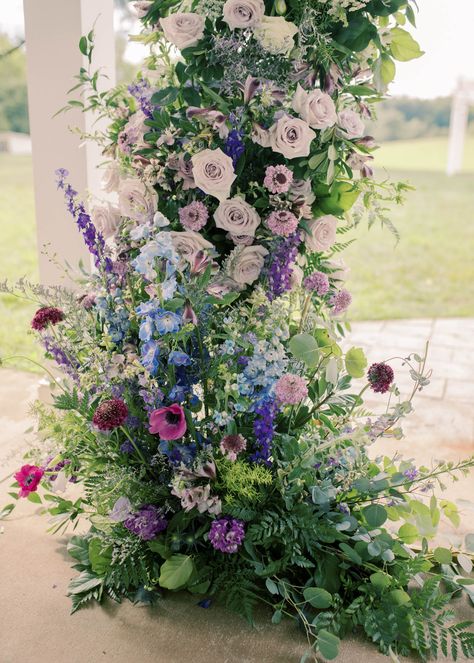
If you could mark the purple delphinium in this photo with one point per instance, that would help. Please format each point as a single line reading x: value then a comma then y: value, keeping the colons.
x: 234, y: 146
x: 68, y: 364
x: 142, y: 92
x: 227, y: 534
x: 380, y: 377
x: 147, y: 522
x: 264, y: 430
x: 281, y: 267
x: 94, y: 240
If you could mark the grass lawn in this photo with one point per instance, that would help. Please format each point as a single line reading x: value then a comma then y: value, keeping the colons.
x: 429, y: 273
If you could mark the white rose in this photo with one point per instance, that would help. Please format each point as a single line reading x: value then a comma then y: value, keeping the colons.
x: 213, y: 172
x: 237, y: 217
x: 111, y: 178
x: 136, y: 201
x: 188, y: 243
x: 315, y: 107
x: 243, y: 13
x: 183, y: 29
x: 276, y: 35
x: 246, y: 263
x: 106, y: 218
x: 291, y: 137
x: 322, y: 233
x: 350, y: 123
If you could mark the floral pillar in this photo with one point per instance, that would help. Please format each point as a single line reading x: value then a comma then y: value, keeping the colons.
x: 53, y: 30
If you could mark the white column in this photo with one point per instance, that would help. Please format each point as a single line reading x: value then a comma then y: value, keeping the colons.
x: 53, y: 29
x: 457, y: 129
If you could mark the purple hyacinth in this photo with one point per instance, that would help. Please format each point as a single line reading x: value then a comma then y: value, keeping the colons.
x: 94, y: 240
x: 234, y: 146
x: 281, y: 267
x: 147, y: 522
x: 142, y: 92
x: 264, y: 430
x: 227, y: 534
x: 380, y: 377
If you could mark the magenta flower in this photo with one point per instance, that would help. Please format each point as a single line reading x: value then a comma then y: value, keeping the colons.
x: 380, y: 377
x: 278, y: 179
x: 47, y: 315
x: 168, y: 422
x: 28, y: 479
x: 291, y: 389
x: 282, y: 222
x: 110, y: 414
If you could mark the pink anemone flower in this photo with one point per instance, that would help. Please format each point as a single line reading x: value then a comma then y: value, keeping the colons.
x: 28, y: 478
x: 168, y: 422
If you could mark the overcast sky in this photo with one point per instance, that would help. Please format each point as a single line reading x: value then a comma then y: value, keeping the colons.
x: 445, y: 32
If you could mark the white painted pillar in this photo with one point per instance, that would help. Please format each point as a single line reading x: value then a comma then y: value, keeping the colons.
x: 457, y: 129
x: 53, y: 29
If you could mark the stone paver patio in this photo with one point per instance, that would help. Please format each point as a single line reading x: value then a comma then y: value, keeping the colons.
x: 35, y: 571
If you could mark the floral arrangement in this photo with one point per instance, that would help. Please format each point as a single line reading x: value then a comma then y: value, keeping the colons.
x: 206, y: 406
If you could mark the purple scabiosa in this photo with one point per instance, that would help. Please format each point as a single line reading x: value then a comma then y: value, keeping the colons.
x: 227, y: 534
x: 232, y: 445
x: 282, y: 223
x: 147, y: 522
x: 291, y: 389
x: 340, y: 302
x: 110, y: 414
x: 278, y: 179
x: 380, y: 377
x: 280, y: 269
x: 194, y: 216
x: 264, y: 430
x: 317, y: 282
x: 46, y: 315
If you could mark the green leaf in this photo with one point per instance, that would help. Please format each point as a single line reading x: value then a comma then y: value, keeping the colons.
x: 83, y: 45
x: 304, y: 347
x: 356, y: 363
x: 403, y: 47
x: 408, y: 533
x: 276, y: 617
x: 357, y: 34
x: 442, y: 555
x: 316, y: 160
x: 464, y: 562
x: 271, y: 586
x: 6, y: 511
x: 165, y: 97
x: 100, y: 557
x: 380, y: 580
x: 78, y: 548
x: 35, y: 498
x: 191, y: 96
x: 351, y: 553
x: 160, y: 547
x: 399, y: 596
x: 375, y: 515
x: 386, y: 69
x: 176, y: 571
x: 317, y: 597
x: 328, y: 644
x: 84, y: 582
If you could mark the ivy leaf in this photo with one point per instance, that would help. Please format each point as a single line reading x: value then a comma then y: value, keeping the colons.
x: 328, y: 644
x: 403, y: 47
x: 317, y: 597
x: 356, y: 363
x: 176, y: 571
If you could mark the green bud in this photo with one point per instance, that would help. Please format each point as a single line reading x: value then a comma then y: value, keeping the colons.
x: 280, y: 7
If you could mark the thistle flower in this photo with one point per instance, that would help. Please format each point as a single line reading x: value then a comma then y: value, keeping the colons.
x: 46, y: 315
x: 278, y: 179
x: 380, y: 377
x: 110, y: 414
x: 317, y: 282
x: 291, y: 389
x: 28, y: 478
x: 227, y: 534
x: 232, y: 445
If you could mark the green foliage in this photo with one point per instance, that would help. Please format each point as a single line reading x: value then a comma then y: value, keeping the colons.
x: 243, y: 483
x: 176, y: 571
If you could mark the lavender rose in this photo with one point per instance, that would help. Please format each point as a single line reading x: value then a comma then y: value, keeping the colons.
x: 322, y: 233
x: 302, y: 190
x: 315, y: 107
x: 189, y: 243
x: 213, y: 172
x: 106, y: 218
x: 183, y: 29
x: 237, y: 217
x: 136, y: 201
x: 291, y: 137
x: 243, y: 13
x: 245, y: 263
x: 350, y: 123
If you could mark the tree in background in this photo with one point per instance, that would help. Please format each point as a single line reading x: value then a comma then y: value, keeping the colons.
x: 13, y: 90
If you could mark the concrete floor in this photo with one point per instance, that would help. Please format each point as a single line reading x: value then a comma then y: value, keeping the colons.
x: 35, y: 570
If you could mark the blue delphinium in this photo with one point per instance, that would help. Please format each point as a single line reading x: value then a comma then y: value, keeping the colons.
x: 149, y: 356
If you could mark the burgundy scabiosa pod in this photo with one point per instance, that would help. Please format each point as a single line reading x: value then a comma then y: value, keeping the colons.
x: 227, y: 534
x: 46, y: 315
x: 168, y: 422
x: 28, y: 478
x: 232, y: 445
x: 110, y: 414
x: 380, y: 377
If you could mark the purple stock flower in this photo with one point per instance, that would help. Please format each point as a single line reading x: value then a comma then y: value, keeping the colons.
x: 147, y: 522
x: 227, y: 534
x: 281, y: 267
